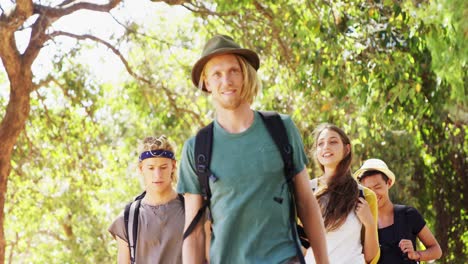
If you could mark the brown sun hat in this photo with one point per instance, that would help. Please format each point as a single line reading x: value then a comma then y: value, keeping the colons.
x: 218, y: 45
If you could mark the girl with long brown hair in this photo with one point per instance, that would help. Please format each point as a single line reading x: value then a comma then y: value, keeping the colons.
x: 350, y: 219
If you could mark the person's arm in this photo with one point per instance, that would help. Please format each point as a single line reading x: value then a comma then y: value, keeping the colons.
x: 207, y: 240
x: 309, y: 213
x: 368, y: 216
x: 193, y: 249
x: 432, y: 252
x: 123, y: 253
x: 366, y: 211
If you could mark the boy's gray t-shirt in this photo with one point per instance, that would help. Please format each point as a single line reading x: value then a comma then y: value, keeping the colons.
x: 248, y: 225
x: 160, y: 232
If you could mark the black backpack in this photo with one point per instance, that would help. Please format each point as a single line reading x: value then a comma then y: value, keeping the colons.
x: 131, y: 213
x: 277, y: 130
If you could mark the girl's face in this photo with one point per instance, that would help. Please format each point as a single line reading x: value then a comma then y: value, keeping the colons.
x: 157, y: 174
x: 330, y: 148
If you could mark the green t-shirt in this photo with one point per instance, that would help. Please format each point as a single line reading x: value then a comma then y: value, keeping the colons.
x: 248, y: 225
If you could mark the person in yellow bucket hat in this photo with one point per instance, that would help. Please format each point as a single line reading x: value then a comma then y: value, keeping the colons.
x: 399, y: 225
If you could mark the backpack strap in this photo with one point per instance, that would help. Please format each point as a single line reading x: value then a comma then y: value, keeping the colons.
x: 401, y: 229
x: 131, y: 213
x: 277, y: 131
x: 203, y: 148
x: 361, y: 191
x: 181, y: 199
x: 400, y: 219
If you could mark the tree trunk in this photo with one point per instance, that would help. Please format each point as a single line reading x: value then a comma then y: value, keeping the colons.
x: 13, y: 123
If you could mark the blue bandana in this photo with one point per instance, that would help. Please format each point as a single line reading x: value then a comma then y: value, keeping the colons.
x: 160, y: 153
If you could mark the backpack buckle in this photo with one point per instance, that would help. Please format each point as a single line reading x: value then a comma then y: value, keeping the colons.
x: 201, y: 163
x: 201, y: 168
x: 204, y: 194
x: 213, y: 178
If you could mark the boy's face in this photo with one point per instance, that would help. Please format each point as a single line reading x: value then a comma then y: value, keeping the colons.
x: 377, y: 184
x: 157, y: 174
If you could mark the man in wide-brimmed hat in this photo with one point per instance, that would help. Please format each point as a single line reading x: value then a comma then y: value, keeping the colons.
x: 250, y: 202
x: 399, y: 225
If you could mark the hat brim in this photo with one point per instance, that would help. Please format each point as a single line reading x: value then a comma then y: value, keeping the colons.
x: 387, y: 172
x: 197, y: 69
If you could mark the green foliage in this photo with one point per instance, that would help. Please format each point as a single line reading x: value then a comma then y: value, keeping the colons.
x: 446, y: 39
x: 74, y: 168
x: 390, y: 73
x: 61, y: 185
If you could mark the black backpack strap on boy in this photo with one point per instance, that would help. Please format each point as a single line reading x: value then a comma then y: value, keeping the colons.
x: 203, y: 148
x: 401, y: 225
x: 131, y: 214
x: 277, y: 131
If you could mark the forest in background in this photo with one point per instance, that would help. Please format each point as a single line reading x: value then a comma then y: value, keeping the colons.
x: 392, y: 74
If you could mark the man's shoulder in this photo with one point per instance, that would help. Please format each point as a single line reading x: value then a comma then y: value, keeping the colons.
x: 189, y: 144
x: 284, y: 117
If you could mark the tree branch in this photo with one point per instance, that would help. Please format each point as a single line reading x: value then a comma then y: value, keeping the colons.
x: 13, y: 244
x: 46, y: 109
x: 48, y: 15
x: 129, y: 69
x: 205, y: 11
x: 66, y: 2
x: 10, y: 21
x: 37, y: 39
x: 286, y: 52
x: 51, y: 234
x: 177, y: 109
x: 43, y: 82
x: 68, y: 7
x: 108, y: 45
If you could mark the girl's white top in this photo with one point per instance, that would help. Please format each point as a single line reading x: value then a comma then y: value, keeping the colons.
x: 343, y: 244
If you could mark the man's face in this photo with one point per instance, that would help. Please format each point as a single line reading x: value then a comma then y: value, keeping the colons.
x: 223, y: 78
x: 377, y: 184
